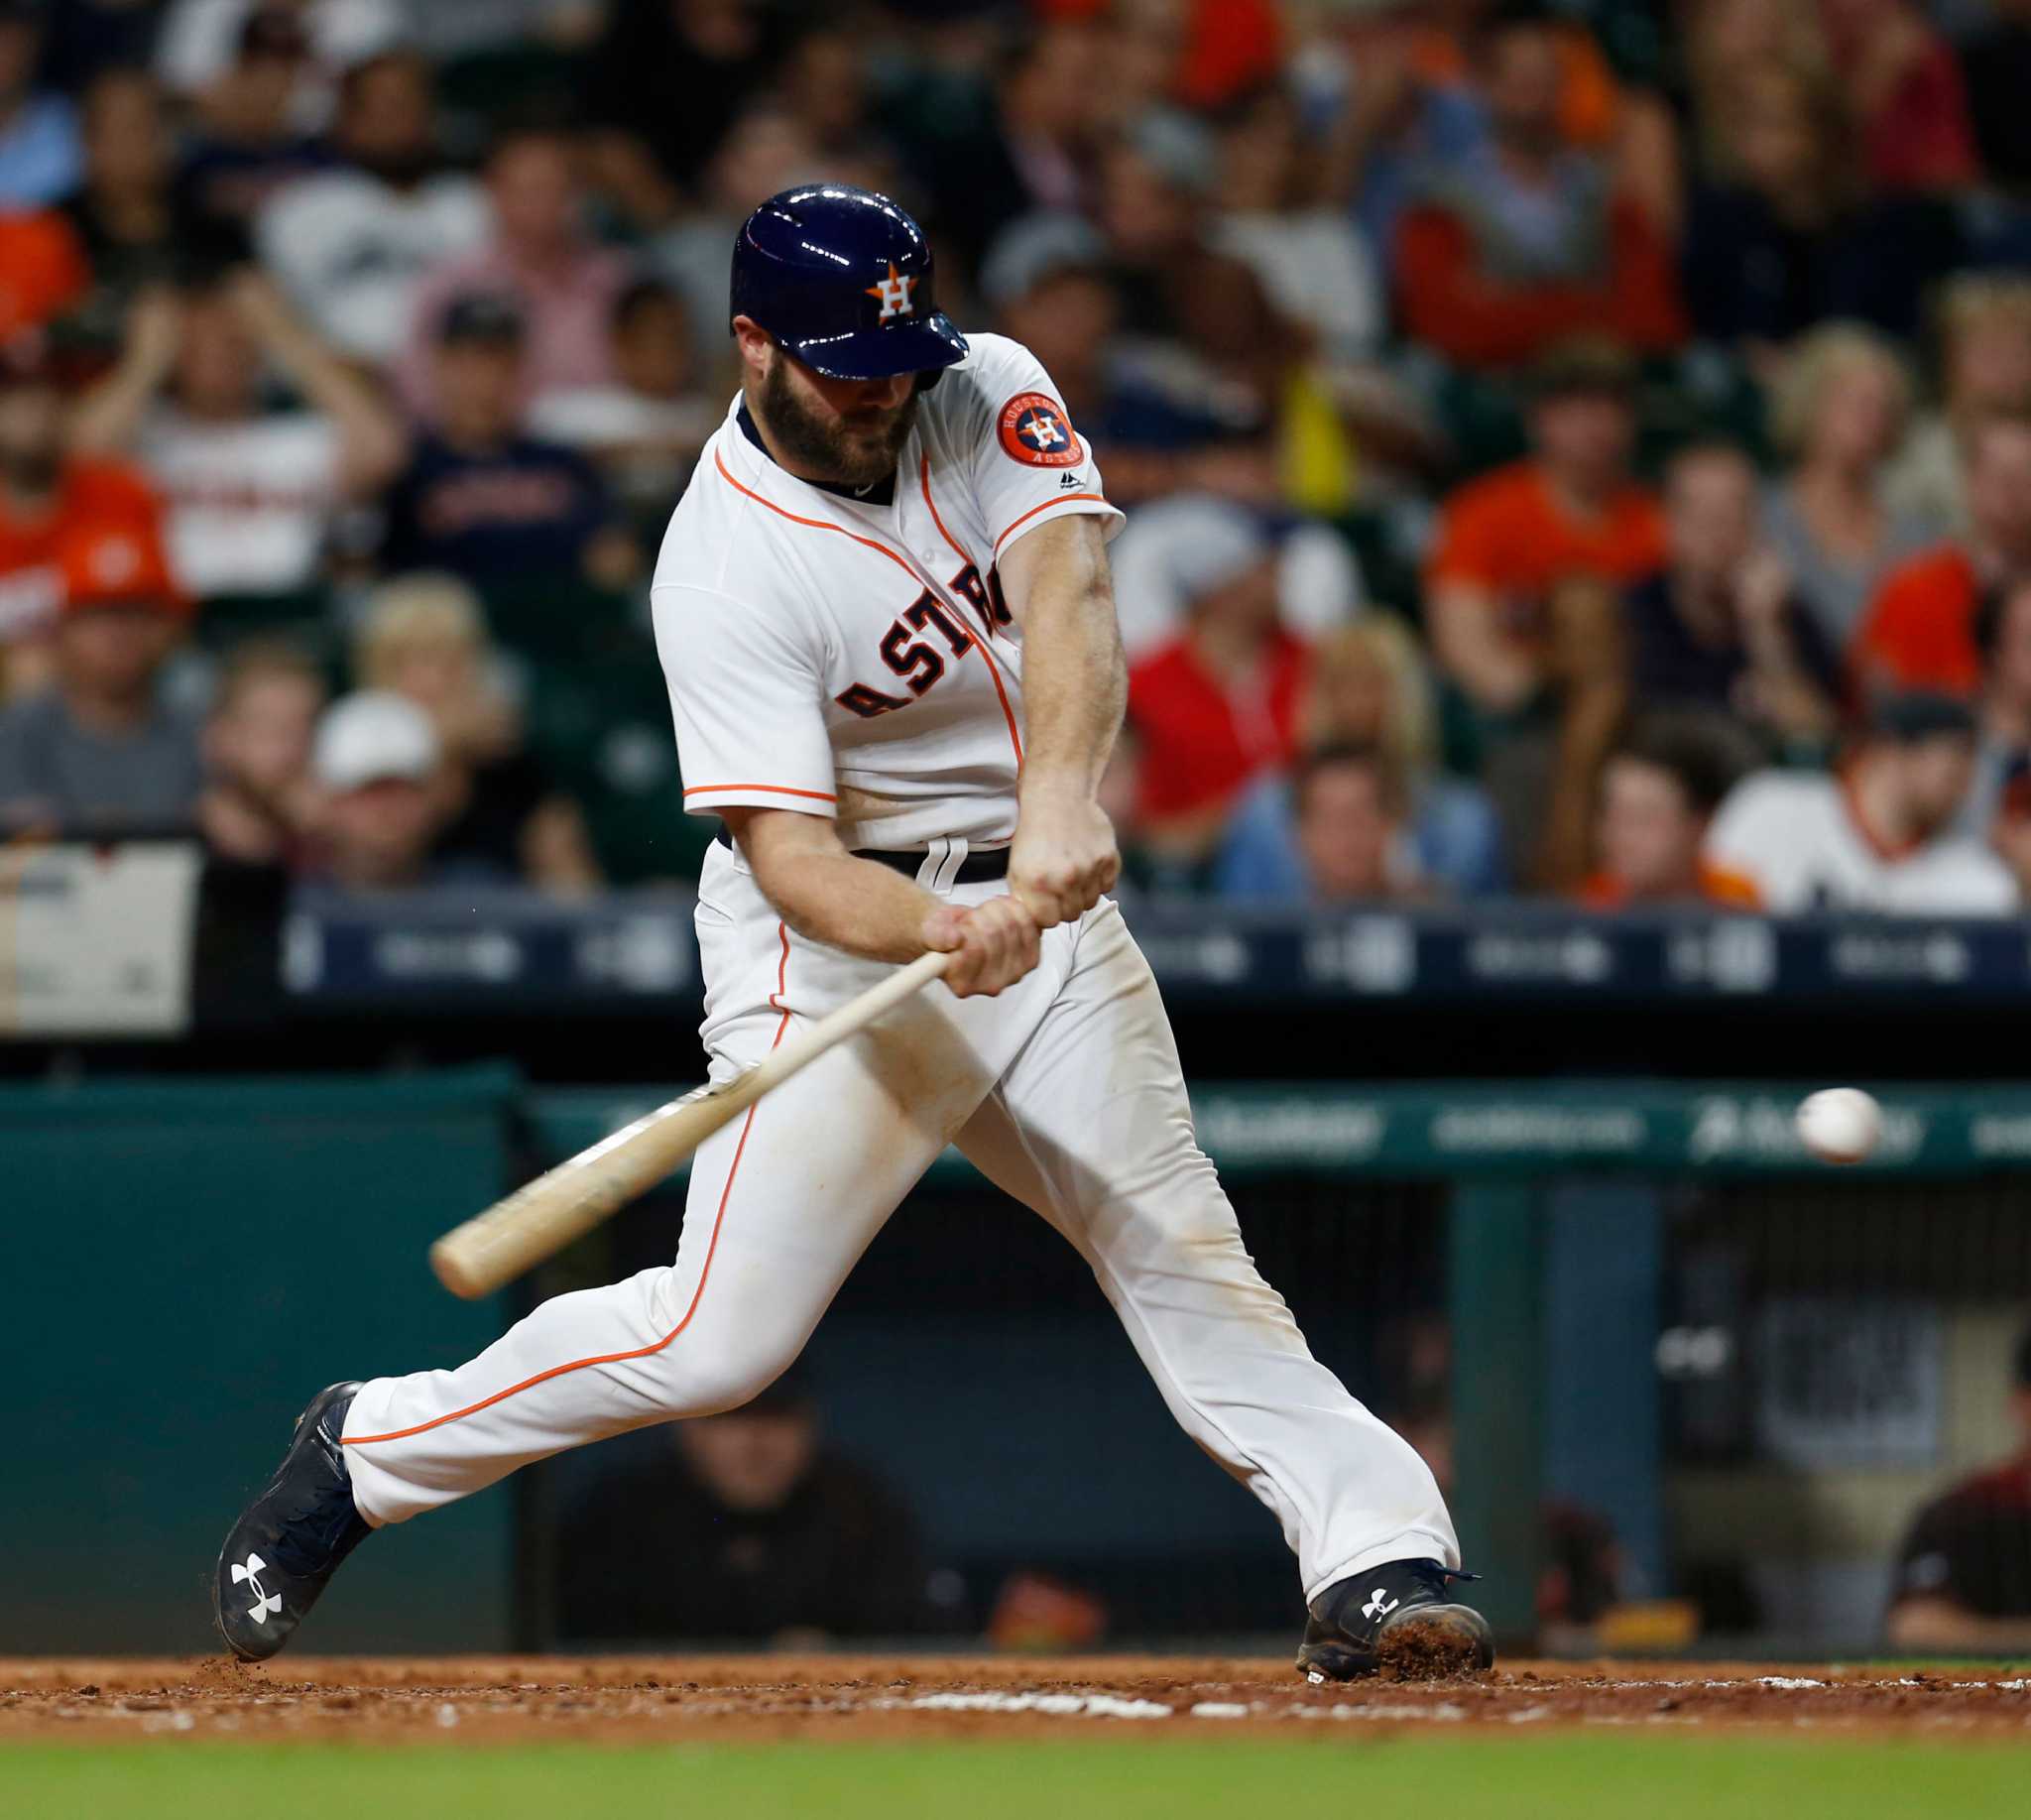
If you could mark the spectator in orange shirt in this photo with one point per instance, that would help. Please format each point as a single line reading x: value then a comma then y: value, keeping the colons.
x: 41, y: 271
x: 1507, y: 540
x: 1920, y: 631
x: 1658, y: 794
x: 1522, y: 601
x: 45, y: 498
x: 1524, y: 242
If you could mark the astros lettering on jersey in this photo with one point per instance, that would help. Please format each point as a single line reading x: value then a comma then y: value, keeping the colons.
x: 817, y: 644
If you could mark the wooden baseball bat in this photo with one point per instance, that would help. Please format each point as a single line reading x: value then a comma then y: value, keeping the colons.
x: 538, y: 1220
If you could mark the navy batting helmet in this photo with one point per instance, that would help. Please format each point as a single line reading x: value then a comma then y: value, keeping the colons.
x: 842, y: 278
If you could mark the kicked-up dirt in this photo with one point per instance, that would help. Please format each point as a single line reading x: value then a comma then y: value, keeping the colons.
x: 645, y: 1699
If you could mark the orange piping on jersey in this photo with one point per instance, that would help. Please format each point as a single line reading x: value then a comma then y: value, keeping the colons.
x: 915, y: 573
x: 1034, y: 510
x: 815, y: 524
x: 965, y: 624
x: 781, y: 972
x: 925, y: 476
x: 765, y: 789
x: 639, y: 1352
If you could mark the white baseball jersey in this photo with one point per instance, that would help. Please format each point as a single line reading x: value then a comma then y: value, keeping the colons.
x: 1796, y: 836
x: 247, y: 504
x: 816, y: 644
x: 819, y: 646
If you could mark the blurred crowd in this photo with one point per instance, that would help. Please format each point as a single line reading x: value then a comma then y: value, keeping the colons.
x: 1577, y: 449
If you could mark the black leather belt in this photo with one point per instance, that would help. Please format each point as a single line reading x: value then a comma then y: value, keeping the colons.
x: 980, y: 868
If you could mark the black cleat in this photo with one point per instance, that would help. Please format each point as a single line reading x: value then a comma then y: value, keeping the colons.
x: 1398, y: 1617
x: 288, y: 1542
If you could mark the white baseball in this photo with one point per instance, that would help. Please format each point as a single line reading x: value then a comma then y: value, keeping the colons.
x: 1840, y: 1124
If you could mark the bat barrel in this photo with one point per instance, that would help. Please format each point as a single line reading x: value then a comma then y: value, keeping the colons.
x: 495, y: 1247
x: 535, y: 1222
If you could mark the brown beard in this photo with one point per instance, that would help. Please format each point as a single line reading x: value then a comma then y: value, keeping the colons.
x: 835, y: 451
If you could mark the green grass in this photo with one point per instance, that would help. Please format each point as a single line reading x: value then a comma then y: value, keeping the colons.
x: 1569, y: 1777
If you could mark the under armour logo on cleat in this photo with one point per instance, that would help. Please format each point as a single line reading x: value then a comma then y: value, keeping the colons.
x: 1379, y: 1605
x: 264, y: 1603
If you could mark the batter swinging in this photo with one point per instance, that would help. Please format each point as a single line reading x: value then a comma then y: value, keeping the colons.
x: 884, y: 612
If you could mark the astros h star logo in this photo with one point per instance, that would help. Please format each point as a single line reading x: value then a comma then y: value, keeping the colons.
x: 893, y: 293
x: 1040, y: 429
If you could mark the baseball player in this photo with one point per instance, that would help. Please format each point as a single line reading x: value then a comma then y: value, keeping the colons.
x: 884, y: 612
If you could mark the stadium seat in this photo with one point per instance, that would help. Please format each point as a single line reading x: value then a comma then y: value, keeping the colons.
x: 601, y: 727
x: 305, y: 617
x: 545, y: 619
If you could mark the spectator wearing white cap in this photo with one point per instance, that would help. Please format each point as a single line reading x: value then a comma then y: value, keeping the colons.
x: 425, y: 638
x: 1218, y: 705
x: 1167, y: 544
x: 375, y: 761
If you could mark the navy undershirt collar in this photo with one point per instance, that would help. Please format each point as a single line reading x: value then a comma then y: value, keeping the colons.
x: 882, y: 493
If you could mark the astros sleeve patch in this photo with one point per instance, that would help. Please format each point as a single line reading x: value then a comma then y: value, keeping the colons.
x: 1036, y: 431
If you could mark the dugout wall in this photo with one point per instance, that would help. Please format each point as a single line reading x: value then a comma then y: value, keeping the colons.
x: 187, y: 1264
x: 1644, y: 1304
x: 1659, y: 1328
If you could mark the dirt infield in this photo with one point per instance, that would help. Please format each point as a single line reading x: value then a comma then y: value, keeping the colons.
x: 644, y: 1699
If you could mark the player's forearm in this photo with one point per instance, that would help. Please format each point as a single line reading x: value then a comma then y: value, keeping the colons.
x: 849, y: 904
x: 1074, y: 676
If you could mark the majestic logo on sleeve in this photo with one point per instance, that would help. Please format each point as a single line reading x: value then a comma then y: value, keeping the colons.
x: 1037, y: 432
x: 892, y: 294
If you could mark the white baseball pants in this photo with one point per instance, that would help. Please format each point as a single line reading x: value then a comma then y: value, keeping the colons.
x: 1066, y: 1092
